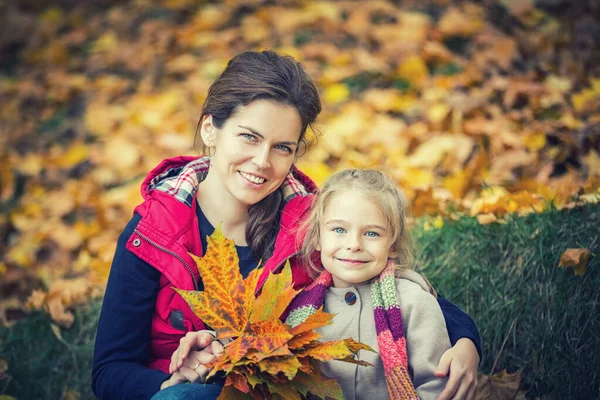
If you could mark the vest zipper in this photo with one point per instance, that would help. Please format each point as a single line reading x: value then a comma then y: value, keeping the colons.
x: 171, y: 253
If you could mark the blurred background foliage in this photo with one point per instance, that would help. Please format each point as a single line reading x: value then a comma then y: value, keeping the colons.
x: 483, y: 109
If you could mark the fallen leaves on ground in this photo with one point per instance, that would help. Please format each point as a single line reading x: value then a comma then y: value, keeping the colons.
x: 499, y: 386
x: 490, y: 109
x: 576, y: 259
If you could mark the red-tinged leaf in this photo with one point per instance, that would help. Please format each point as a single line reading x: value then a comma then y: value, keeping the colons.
x: 269, y: 335
x: 303, y: 339
x: 275, y: 365
x: 322, y: 387
x: 208, y: 312
x: 238, y: 348
x: 238, y: 381
x: 314, y: 321
x: 306, y: 366
x: 257, y: 356
x: 276, y: 295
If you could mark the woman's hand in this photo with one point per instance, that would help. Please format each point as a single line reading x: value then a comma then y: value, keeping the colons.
x: 192, y: 369
x: 192, y: 341
x: 461, y: 361
x: 188, y: 362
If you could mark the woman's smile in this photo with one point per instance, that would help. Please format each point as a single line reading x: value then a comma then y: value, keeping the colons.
x: 257, y: 180
x: 253, y: 152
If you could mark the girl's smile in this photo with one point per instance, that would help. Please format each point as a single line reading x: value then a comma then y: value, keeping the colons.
x: 355, y: 239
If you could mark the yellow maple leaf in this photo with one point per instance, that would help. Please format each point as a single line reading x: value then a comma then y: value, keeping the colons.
x: 264, y: 350
x: 576, y: 259
x: 267, y: 307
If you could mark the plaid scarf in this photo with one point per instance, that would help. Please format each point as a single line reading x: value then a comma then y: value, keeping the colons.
x: 388, y: 325
x: 182, y: 181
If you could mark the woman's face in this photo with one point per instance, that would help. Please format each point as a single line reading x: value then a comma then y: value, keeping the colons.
x: 254, y: 149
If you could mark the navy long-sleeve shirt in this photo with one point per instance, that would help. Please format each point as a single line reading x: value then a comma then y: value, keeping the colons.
x: 123, y: 341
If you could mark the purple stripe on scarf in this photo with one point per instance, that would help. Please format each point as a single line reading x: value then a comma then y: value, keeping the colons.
x: 381, y: 324
x: 394, y: 316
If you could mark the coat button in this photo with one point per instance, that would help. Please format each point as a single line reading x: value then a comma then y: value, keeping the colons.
x: 137, y: 242
x: 350, y: 298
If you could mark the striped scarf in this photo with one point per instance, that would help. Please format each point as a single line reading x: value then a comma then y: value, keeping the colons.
x: 388, y: 325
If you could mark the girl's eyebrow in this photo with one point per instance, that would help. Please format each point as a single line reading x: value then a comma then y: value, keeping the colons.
x: 381, y: 228
x: 262, y: 137
x: 335, y: 222
x: 341, y: 221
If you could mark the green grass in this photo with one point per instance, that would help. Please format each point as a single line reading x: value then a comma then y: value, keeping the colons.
x: 42, y: 366
x: 502, y: 275
x: 505, y: 274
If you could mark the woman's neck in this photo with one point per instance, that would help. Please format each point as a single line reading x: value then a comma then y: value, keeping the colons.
x: 222, y: 209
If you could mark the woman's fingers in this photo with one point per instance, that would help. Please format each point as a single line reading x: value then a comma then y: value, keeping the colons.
x: 217, y: 348
x: 190, y: 342
x: 193, y: 341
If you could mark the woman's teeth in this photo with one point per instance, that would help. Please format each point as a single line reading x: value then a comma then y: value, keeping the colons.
x: 252, y: 178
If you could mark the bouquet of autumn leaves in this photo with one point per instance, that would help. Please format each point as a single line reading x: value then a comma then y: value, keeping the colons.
x: 265, y: 358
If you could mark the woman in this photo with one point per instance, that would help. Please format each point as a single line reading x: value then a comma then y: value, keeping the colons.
x: 252, y: 126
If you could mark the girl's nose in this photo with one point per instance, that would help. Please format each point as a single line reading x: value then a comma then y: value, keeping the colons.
x: 261, y: 157
x: 354, y: 245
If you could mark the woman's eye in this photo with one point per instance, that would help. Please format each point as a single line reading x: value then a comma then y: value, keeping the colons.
x: 339, y: 230
x: 371, y: 234
x: 248, y: 136
x: 287, y: 149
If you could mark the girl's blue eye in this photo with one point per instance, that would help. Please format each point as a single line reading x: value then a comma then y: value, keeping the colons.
x: 372, y: 234
x: 339, y: 230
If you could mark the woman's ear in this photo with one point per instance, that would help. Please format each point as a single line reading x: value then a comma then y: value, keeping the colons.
x: 208, y: 131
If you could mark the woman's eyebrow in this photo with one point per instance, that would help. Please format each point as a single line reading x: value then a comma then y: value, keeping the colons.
x: 288, y: 143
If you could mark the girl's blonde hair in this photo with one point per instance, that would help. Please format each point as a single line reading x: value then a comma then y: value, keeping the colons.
x: 386, y: 195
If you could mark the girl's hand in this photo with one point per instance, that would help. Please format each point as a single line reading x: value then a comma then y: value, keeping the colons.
x: 461, y: 361
x: 192, y: 341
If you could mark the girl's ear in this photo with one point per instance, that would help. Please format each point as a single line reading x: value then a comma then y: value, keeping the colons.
x: 208, y: 131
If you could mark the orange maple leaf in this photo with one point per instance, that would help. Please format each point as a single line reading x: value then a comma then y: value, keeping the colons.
x: 266, y: 357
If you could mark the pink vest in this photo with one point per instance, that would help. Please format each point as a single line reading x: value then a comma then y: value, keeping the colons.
x: 169, y: 230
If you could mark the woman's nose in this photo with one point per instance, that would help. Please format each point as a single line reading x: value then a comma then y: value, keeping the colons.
x: 261, y: 158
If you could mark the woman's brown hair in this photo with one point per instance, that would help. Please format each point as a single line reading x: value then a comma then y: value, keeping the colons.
x: 264, y: 75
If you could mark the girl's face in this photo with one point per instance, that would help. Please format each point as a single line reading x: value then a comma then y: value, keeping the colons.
x: 355, y: 239
x: 253, y: 150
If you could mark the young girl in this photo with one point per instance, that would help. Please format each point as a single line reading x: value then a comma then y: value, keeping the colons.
x: 358, y: 225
